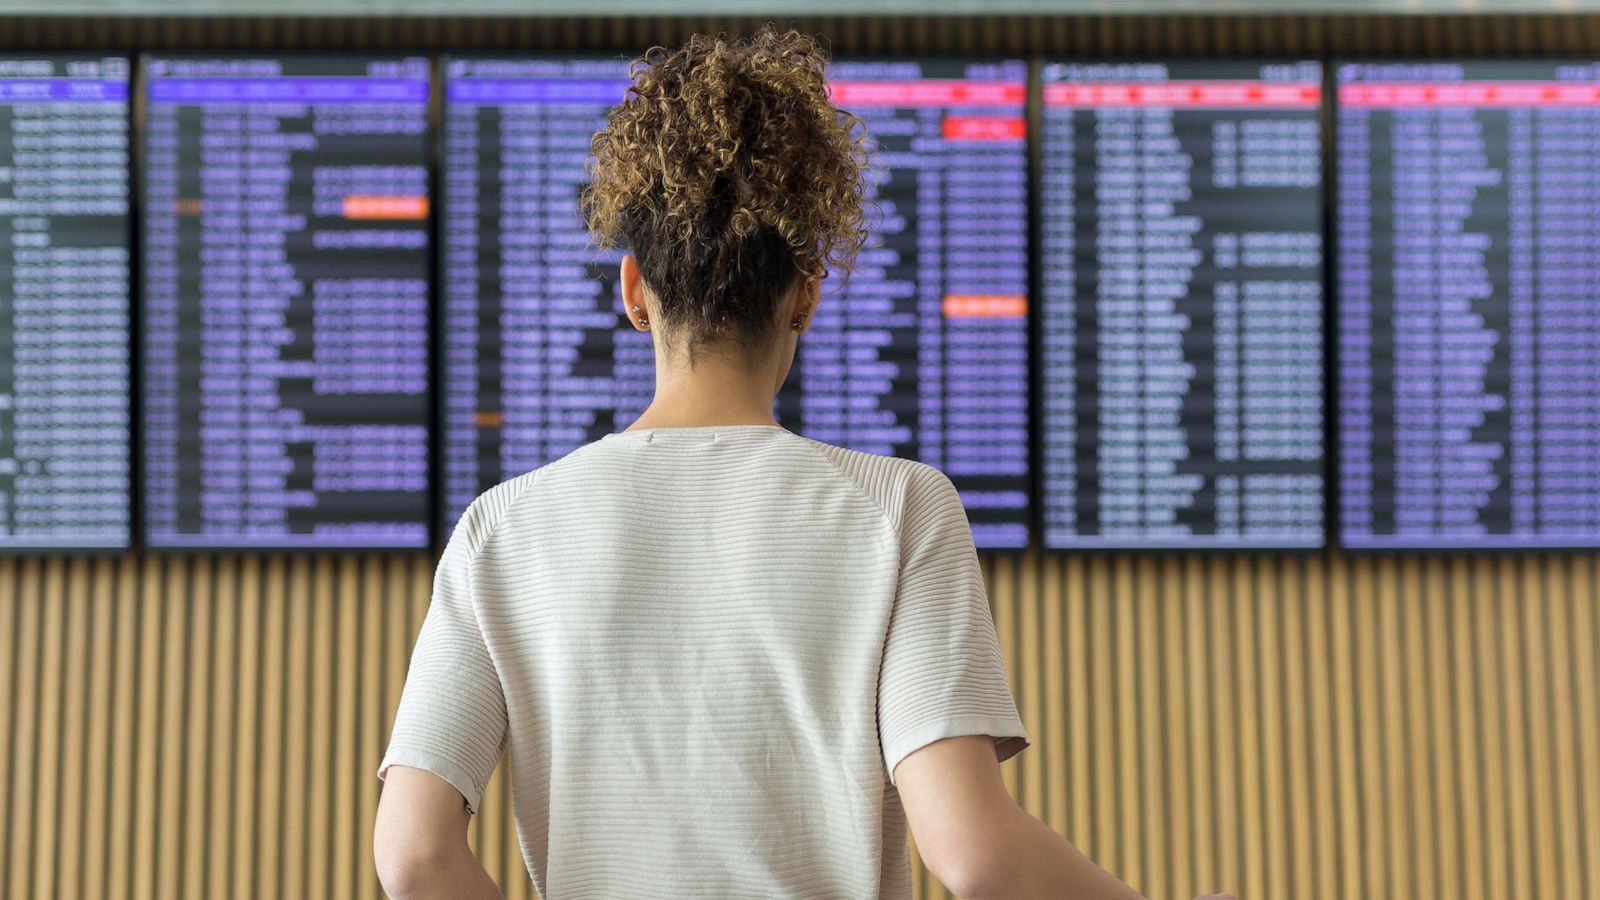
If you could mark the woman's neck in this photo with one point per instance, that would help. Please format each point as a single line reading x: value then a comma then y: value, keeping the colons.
x: 717, y: 390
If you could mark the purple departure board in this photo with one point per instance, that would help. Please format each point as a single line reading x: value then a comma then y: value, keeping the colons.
x: 1181, y: 319
x: 65, y: 478
x: 537, y: 359
x: 923, y: 354
x: 285, y: 302
x: 1468, y: 228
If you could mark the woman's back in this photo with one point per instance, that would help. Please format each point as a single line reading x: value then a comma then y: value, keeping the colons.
x: 711, y: 646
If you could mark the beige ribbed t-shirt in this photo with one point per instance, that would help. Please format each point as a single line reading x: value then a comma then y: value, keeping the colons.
x: 704, y: 651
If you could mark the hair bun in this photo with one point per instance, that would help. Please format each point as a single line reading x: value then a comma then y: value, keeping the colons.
x: 729, y: 174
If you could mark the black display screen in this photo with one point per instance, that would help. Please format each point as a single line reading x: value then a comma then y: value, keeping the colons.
x: 538, y: 360
x: 285, y: 298
x: 922, y: 354
x: 65, y: 477
x: 1181, y: 310
x: 1468, y: 270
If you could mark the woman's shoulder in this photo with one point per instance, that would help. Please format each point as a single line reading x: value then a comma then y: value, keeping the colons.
x: 898, y: 485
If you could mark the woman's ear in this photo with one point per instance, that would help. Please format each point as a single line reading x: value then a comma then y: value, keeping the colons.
x: 633, y: 299
x: 807, y: 296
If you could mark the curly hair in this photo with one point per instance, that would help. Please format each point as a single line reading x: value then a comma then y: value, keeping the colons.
x: 730, y: 176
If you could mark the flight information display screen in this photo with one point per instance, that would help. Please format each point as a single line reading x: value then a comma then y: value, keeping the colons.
x: 923, y: 354
x: 923, y: 351
x: 64, y: 309
x: 286, y: 392
x: 537, y: 359
x: 1181, y: 310
x: 1468, y: 217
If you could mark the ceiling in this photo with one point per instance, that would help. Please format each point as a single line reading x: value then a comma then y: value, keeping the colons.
x: 771, y: 7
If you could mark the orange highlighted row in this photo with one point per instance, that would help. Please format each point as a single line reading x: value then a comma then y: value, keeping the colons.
x: 985, y: 128
x: 985, y: 306
x: 1187, y: 94
x: 1481, y: 95
x: 373, y: 206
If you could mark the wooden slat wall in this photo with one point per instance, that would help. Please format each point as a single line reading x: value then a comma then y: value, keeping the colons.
x: 1287, y: 726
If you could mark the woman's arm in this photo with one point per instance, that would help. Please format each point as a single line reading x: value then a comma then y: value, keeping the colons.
x: 420, y: 841
x: 976, y: 839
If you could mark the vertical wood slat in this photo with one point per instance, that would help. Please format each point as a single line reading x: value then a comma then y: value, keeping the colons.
x: 1320, y: 859
x: 1031, y: 703
x: 122, y: 748
x: 1412, y: 693
x: 1563, y: 727
x: 1269, y: 643
x: 1547, y: 881
x: 1225, y: 794
x: 1252, y: 838
x: 47, y: 761
x: 372, y: 717
x: 24, y: 706
x: 1435, y: 750
x: 1297, y: 816
x: 1080, y: 797
x: 1001, y: 574
x: 1344, y: 683
x: 1513, y: 675
x: 247, y: 704
x: 270, y: 785
x: 1399, y: 598
x: 1152, y: 835
x: 147, y: 746
x: 1174, y: 665
x: 331, y: 713
x: 224, y: 679
x: 1052, y: 743
x: 1374, y: 838
x: 1391, y: 659
x: 192, y: 809
x: 307, y: 577
x: 166, y: 727
x: 1466, y: 709
x: 1584, y: 637
x: 10, y: 662
x: 1124, y: 735
x: 1493, y: 735
x: 348, y: 601
x: 74, y: 700
x: 1200, y: 653
x: 98, y: 716
x: 1101, y: 734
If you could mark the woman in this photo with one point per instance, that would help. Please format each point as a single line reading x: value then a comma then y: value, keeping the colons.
x: 727, y: 661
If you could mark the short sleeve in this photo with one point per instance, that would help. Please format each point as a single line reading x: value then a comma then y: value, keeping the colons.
x: 452, y: 716
x: 942, y: 674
